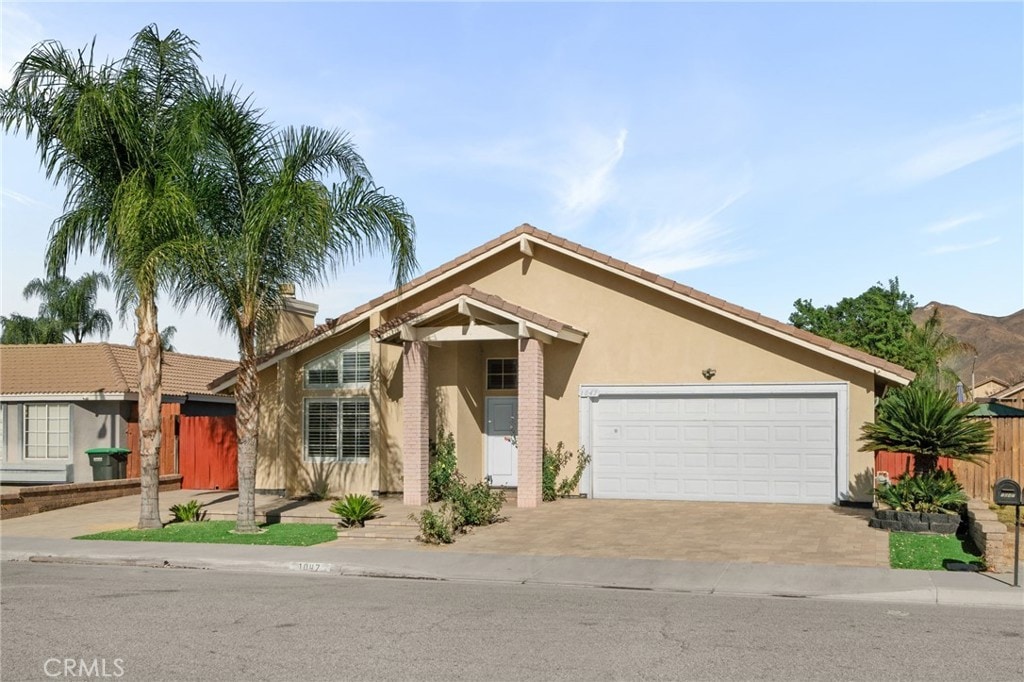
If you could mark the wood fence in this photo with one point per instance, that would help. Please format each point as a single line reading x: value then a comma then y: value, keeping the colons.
x: 208, y: 453
x: 1006, y: 460
x: 203, y: 449
x: 168, y: 438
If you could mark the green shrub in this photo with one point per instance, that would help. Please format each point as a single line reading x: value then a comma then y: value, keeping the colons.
x: 475, y: 505
x: 932, y: 492
x: 554, y: 461
x: 462, y: 505
x: 188, y: 512
x: 443, y: 467
x: 356, y: 510
x: 436, y: 527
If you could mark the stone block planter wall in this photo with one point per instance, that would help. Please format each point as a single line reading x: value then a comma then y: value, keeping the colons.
x: 40, y: 498
x: 915, y: 522
x: 990, y: 536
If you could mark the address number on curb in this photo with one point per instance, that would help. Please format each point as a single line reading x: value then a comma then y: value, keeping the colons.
x: 310, y: 567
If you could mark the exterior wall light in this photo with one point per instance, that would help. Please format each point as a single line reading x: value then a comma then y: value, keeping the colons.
x: 709, y: 373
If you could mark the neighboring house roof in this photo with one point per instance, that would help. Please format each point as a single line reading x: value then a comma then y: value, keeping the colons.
x: 1009, y: 392
x: 107, y: 368
x: 525, y: 237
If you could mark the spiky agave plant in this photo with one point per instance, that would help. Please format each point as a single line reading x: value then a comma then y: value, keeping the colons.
x: 356, y: 510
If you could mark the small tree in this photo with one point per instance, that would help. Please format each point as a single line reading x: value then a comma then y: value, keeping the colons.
x: 927, y: 422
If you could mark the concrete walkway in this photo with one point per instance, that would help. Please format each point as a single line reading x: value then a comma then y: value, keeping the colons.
x: 643, y: 546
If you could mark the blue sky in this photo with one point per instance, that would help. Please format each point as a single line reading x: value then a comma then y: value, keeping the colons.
x: 758, y: 152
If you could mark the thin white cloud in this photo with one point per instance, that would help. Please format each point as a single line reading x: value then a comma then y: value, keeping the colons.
x: 20, y: 33
x: 957, y: 248
x: 22, y: 199
x: 586, y: 175
x: 953, y: 223
x: 688, y: 243
x: 951, y: 148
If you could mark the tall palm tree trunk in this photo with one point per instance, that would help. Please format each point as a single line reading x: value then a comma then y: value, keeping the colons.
x: 148, y: 347
x: 247, y: 404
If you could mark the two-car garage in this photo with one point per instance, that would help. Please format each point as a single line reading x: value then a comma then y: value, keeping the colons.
x: 744, y: 443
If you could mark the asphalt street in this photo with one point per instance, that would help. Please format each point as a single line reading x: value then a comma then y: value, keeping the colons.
x: 114, y: 622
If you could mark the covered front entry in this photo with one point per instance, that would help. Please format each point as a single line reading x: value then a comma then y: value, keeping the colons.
x: 466, y: 314
x: 743, y: 443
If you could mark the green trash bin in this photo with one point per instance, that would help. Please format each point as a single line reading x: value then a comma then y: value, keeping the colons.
x: 108, y: 464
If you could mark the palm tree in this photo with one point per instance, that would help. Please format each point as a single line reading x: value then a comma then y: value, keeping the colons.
x: 167, y: 338
x: 71, y: 305
x: 935, y: 352
x: 267, y: 219
x: 117, y: 135
x: 29, y: 330
x: 927, y: 422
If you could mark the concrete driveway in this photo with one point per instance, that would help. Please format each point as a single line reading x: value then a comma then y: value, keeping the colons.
x: 692, y: 531
x: 688, y: 531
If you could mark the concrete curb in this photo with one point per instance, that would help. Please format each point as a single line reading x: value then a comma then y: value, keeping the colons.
x: 838, y: 583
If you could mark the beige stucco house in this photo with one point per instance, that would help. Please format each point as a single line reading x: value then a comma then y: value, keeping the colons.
x: 533, y: 339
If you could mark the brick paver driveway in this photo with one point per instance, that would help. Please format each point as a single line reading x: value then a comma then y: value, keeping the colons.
x: 694, y: 531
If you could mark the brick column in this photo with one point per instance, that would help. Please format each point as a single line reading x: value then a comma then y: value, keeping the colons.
x: 415, y: 423
x: 530, y: 422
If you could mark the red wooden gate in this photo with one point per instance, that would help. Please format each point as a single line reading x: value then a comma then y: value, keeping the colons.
x: 207, y: 453
x: 168, y: 432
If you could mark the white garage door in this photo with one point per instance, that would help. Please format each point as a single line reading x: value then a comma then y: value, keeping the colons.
x: 750, y: 448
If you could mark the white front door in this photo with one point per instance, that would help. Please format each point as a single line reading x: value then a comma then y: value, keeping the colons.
x: 502, y: 456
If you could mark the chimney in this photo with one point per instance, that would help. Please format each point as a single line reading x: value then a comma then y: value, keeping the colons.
x: 294, y: 319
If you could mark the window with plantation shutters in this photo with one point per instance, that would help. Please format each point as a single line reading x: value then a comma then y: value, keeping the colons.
x: 47, y: 431
x: 337, y: 428
x: 345, y: 367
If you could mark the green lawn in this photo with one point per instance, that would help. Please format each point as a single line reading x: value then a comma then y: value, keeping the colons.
x: 296, y: 534
x: 931, y: 552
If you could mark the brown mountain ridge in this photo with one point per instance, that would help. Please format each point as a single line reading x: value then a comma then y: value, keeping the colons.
x: 999, y: 341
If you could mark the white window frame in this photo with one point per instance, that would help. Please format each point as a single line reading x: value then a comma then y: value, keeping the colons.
x: 342, y: 439
x: 50, y: 434
x: 487, y: 373
x: 356, y: 351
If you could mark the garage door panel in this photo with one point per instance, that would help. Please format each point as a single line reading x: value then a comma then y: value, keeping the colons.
x: 755, y: 488
x: 634, y: 434
x: 637, y: 460
x: 819, y: 434
x: 666, y: 486
x: 821, y: 462
x: 764, y: 448
x: 666, y: 460
x: 725, y: 460
x: 756, y: 462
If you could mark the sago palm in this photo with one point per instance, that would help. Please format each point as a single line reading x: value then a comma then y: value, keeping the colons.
x: 269, y: 217
x: 928, y: 423
x: 71, y: 304
x: 117, y: 136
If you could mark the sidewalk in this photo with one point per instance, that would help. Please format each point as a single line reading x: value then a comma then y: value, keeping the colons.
x: 46, y: 538
x: 820, y: 582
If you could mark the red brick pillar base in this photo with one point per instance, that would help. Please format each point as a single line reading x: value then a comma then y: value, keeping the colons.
x: 415, y: 424
x: 530, y: 423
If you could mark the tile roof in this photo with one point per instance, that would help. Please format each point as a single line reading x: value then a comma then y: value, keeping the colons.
x: 93, y: 367
x: 546, y: 238
x: 491, y: 300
